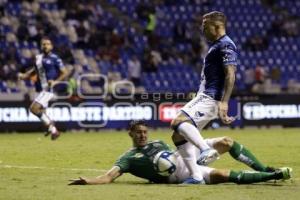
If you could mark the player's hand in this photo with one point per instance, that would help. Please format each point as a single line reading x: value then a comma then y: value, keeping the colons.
x: 21, y: 76
x: 79, y: 181
x: 223, y: 109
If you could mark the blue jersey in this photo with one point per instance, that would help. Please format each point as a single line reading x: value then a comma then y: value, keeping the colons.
x: 48, y: 68
x: 221, y: 53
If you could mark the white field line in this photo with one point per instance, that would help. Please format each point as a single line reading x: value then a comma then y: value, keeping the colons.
x: 49, y: 168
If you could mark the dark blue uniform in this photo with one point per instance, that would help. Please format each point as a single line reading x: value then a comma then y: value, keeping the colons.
x: 48, y: 68
x: 221, y: 53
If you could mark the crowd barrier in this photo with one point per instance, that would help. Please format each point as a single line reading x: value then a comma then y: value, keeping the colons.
x: 157, y: 110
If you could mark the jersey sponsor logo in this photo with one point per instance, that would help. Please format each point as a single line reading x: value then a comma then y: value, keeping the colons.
x: 156, y: 144
x: 152, y: 152
x: 199, y: 114
x: 138, y: 155
x: 228, y: 58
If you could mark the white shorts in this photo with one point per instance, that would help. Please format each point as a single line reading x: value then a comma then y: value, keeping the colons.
x: 181, y: 173
x: 201, y: 110
x: 43, y: 98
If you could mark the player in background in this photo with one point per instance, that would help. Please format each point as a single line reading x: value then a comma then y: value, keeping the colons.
x: 211, y: 101
x: 138, y: 161
x: 50, y: 70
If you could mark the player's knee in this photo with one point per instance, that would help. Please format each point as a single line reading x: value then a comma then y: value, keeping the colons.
x: 174, y: 123
x: 176, y: 137
x: 219, y: 176
x: 32, y: 109
x: 227, y: 142
x: 178, y: 120
x: 35, y: 109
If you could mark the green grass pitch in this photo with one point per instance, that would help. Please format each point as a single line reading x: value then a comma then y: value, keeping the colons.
x: 33, y: 167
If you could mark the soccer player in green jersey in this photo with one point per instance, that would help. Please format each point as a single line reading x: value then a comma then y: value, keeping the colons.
x: 138, y: 161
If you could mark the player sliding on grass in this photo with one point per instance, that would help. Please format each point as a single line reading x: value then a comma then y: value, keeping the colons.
x: 217, y: 81
x: 50, y: 71
x: 139, y: 162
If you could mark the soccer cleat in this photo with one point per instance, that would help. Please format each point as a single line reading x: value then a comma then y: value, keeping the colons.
x: 208, y: 156
x: 191, y: 180
x: 55, y: 135
x: 51, y: 128
x: 286, y: 172
x: 47, y: 133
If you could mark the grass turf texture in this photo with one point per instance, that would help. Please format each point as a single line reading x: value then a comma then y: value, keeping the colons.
x: 33, y: 167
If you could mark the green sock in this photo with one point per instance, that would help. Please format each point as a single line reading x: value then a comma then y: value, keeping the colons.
x: 242, y: 154
x: 247, y: 177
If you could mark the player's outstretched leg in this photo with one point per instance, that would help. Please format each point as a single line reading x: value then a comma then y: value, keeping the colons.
x: 248, y: 177
x: 39, y: 111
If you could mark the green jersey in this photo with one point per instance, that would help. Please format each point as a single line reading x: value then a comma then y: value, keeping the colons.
x: 138, y: 161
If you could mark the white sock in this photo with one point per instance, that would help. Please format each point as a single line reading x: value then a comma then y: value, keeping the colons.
x: 52, y: 128
x: 192, y: 134
x: 44, y: 118
x: 47, y: 121
x: 188, y: 154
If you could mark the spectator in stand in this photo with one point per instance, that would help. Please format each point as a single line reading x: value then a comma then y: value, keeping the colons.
x: 97, y: 38
x: 64, y: 52
x: 249, y: 78
x: 82, y: 34
x: 266, y: 82
x: 293, y: 86
x: 147, y: 14
x: 112, y: 78
x: 34, y: 34
x: 134, y: 70
x: 116, y: 39
x: 179, y: 32
x: 22, y: 32
x: 152, y: 59
x: 256, y: 43
x: 275, y: 74
x: 260, y: 74
x: 151, y: 23
x: 111, y: 53
x: 9, y: 71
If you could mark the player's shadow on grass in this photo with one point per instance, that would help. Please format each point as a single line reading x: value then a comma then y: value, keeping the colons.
x: 271, y: 184
x: 143, y: 183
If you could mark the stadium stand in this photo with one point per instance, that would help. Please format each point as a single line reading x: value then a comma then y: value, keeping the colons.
x: 101, y: 36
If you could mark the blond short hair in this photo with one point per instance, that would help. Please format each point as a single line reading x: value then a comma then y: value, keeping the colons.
x: 216, y: 16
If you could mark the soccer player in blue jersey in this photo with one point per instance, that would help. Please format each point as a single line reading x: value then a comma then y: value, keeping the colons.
x: 217, y: 81
x: 50, y: 70
x: 139, y: 161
